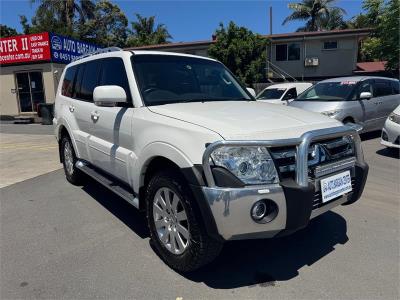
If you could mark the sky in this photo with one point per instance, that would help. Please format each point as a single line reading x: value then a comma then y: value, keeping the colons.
x: 192, y: 20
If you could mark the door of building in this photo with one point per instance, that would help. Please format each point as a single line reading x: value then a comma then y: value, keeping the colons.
x: 30, y: 90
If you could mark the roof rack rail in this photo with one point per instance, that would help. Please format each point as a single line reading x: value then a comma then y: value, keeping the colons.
x: 99, y: 51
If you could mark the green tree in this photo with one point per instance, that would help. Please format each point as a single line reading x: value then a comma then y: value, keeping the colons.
x: 388, y: 33
x: 145, y: 32
x: 64, y: 14
x: 313, y: 12
x: 6, y: 31
x: 383, y: 43
x: 242, y: 51
x: 107, y: 27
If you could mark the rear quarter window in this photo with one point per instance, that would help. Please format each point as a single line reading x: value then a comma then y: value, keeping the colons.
x: 396, y: 87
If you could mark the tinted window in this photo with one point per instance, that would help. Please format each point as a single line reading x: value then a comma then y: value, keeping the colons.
x: 330, y: 45
x: 68, y: 81
x: 272, y: 93
x: 164, y: 79
x: 291, y: 94
x: 113, y: 73
x: 329, y: 91
x: 78, y: 82
x: 281, y: 52
x: 396, y: 86
x: 294, y: 52
x: 382, y: 88
x: 89, y: 80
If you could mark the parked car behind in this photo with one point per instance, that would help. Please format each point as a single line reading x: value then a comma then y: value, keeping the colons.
x: 365, y: 100
x: 283, y: 93
x: 391, y: 130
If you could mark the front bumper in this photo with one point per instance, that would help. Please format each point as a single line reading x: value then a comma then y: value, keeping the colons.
x: 391, y: 135
x: 230, y: 208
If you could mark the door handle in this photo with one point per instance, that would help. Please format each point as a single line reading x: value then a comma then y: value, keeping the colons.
x: 71, y: 108
x: 95, y: 115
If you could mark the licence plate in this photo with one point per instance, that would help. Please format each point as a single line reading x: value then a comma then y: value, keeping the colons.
x: 335, y: 186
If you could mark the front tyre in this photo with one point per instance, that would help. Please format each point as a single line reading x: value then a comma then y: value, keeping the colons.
x: 73, y: 175
x: 176, y: 228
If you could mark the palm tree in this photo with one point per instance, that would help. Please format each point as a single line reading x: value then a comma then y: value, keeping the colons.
x: 66, y: 10
x: 313, y: 11
x: 144, y: 32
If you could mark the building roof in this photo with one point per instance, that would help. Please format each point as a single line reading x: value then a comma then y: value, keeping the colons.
x: 370, y: 67
x: 172, y: 45
x: 361, y: 31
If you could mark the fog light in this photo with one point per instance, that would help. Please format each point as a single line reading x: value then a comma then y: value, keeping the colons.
x: 264, y: 211
x: 258, y: 210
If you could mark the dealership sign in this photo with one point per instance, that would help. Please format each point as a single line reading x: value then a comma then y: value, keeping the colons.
x: 65, y: 49
x: 42, y: 47
x: 25, y: 48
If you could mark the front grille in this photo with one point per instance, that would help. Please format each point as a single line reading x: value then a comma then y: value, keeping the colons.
x: 320, y: 153
x: 318, y: 197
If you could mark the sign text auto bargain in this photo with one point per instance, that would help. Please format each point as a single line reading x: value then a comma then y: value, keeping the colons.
x: 65, y: 49
x: 42, y: 47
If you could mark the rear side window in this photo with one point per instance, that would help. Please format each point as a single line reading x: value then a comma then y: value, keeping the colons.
x: 382, y: 88
x: 396, y: 87
x: 68, y: 82
x: 113, y: 73
x: 89, y: 80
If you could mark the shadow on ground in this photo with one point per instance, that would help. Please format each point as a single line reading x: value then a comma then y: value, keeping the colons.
x: 250, y: 262
x: 370, y: 135
x: 265, y: 262
x: 389, y: 152
x: 124, y: 211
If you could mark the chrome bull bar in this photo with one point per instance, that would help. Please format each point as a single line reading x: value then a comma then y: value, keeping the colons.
x: 302, y: 145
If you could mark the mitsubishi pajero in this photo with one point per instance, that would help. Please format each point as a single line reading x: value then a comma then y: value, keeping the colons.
x: 179, y: 137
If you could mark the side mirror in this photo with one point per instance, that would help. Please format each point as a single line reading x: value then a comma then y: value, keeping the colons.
x: 108, y: 95
x: 252, y: 92
x: 365, y: 95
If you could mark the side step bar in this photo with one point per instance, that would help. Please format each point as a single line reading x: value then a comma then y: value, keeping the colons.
x: 109, y: 182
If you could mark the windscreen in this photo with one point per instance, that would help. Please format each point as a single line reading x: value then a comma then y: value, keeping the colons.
x: 275, y: 93
x: 165, y: 79
x: 329, y: 91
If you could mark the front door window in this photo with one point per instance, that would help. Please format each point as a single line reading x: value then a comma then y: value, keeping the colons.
x: 30, y: 90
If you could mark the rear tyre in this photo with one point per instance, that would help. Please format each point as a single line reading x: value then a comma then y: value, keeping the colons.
x: 176, y: 228
x: 73, y: 175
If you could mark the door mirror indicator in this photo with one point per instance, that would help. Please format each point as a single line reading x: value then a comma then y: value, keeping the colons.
x: 251, y: 91
x: 109, y: 95
x: 365, y: 95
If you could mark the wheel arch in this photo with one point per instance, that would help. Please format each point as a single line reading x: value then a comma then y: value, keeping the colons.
x: 192, y: 175
x: 61, y: 131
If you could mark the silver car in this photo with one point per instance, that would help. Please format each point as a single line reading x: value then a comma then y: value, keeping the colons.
x: 364, y: 100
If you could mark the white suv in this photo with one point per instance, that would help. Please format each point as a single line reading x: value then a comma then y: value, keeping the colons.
x: 180, y: 138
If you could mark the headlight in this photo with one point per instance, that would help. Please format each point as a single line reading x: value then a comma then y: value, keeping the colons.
x: 394, y: 118
x: 252, y: 165
x: 331, y: 113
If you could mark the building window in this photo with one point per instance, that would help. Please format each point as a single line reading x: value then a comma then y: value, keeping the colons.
x: 287, y: 52
x: 281, y: 52
x: 294, y: 52
x: 329, y: 45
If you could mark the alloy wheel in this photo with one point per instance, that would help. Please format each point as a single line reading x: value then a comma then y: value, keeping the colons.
x: 170, y: 220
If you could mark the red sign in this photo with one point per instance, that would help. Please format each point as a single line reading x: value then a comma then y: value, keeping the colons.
x: 25, y: 48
